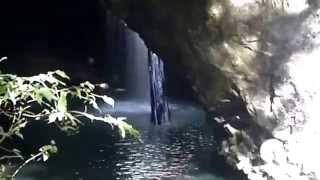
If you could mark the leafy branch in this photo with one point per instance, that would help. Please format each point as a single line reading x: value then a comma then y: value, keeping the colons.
x: 45, y: 97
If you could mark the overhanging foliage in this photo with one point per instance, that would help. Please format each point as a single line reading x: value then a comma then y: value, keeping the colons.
x: 45, y: 97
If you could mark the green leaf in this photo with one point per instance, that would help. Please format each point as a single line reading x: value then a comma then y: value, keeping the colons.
x: 3, y: 89
x: 125, y: 127
x: 12, y: 97
x: 47, y: 151
x: 45, y: 157
x: 88, y: 85
x: 46, y: 93
x: 17, y: 151
x: 38, y: 98
x: 3, y: 58
x: 95, y: 105
x: 122, y: 131
x: 108, y: 100
x: 62, y: 74
x: 22, y: 124
x: 19, y: 134
x: 78, y: 93
x: 62, y: 102
x: 53, y: 117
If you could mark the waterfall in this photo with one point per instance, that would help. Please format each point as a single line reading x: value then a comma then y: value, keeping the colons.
x: 140, y: 69
x: 159, y: 103
x: 137, y: 71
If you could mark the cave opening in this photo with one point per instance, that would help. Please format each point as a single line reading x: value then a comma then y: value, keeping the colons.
x: 74, y: 36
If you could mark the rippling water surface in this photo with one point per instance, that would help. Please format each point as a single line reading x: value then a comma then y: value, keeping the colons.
x: 183, y: 149
x: 165, y: 156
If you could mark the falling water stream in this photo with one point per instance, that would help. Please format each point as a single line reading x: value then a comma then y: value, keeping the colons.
x: 142, y: 72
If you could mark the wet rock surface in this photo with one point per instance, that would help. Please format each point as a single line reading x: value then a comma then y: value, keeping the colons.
x: 268, y: 50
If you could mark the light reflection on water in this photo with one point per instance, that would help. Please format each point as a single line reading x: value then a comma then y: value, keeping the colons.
x: 175, y: 150
x: 165, y: 156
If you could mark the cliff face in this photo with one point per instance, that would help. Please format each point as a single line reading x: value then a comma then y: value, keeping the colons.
x: 268, y: 50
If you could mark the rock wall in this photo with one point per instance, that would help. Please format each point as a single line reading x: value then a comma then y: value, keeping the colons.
x: 166, y: 26
x: 268, y: 50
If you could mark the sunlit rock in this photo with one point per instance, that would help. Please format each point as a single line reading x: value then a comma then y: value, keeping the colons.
x: 294, y: 6
x: 216, y: 11
x: 270, y: 51
x: 272, y: 151
x: 241, y: 3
